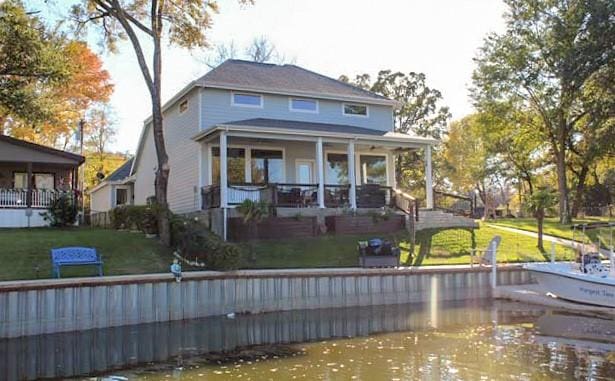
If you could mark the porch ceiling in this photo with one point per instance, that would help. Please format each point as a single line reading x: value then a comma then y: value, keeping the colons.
x: 308, y: 131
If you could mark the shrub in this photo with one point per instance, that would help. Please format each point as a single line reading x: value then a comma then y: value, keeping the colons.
x: 62, y: 212
x: 195, y: 242
x: 139, y: 217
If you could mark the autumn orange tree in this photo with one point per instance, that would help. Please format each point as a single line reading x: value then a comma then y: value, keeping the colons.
x: 144, y: 23
x: 87, y: 84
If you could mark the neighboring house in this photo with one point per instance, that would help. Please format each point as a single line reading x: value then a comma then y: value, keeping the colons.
x: 280, y: 133
x: 115, y: 190
x: 32, y: 176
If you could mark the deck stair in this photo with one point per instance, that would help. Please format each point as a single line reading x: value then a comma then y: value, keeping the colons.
x: 438, y: 219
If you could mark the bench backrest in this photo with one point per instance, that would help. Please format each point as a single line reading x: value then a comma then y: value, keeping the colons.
x: 74, y: 255
x: 493, y: 245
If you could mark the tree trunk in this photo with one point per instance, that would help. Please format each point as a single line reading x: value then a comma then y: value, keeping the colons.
x: 162, y: 172
x: 540, y: 222
x: 579, y: 191
x: 562, y: 185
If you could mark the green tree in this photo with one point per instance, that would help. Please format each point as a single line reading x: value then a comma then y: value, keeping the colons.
x: 419, y: 112
x: 31, y: 57
x: 181, y: 22
x: 539, y: 204
x: 544, y: 61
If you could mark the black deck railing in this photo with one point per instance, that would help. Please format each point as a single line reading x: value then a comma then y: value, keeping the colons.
x: 454, y: 203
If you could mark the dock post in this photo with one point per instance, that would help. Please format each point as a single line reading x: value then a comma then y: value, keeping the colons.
x: 494, y: 265
x: 552, y: 252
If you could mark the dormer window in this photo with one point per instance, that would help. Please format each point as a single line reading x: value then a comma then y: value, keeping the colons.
x: 353, y: 109
x: 247, y: 100
x: 303, y: 105
x: 183, y: 106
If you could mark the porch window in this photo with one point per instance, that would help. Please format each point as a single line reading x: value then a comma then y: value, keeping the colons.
x: 236, y: 165
x: 20, y: 181
x: 337, y: 169
x: 373, y: 169
x: 41, y: 180
x: 267, y: 166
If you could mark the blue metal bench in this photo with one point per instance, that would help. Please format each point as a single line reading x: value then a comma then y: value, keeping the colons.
x: 74, y: 256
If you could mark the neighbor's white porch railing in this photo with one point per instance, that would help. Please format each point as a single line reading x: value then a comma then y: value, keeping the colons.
x: 18, y: 198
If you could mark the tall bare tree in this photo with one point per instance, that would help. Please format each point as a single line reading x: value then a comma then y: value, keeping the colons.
x: 143, y: 22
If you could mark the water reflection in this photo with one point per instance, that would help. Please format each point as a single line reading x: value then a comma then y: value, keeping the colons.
x: 467, y: 340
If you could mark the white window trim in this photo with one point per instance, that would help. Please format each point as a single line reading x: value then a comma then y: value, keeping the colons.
x: 355, y: 115
x: 357, y: 163
x: 233, y: 93
x: 248, y: 159
x: 376, y: 153
x: 290, y: 105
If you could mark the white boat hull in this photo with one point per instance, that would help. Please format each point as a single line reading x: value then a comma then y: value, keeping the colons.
x: 564, y: 282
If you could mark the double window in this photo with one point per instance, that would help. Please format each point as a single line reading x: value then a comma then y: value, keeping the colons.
x: 247, y: 100
x: 372, y: 169
x: 40, y: 180
x: 266, y: 165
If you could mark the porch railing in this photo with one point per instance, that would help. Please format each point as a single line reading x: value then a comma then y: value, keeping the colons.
x: 41, y: 198
x: 406, y: 203
x: 337, y: 196
x: 454, y: 203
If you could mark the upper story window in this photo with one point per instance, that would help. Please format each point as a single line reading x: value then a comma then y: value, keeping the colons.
x: 247, y: 100
x: 303, y: 105
x: 353, y: 109
x: 183, y: 106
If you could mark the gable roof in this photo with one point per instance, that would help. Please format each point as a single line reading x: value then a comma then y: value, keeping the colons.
x: 78, y: 159
x: 122, y: 172
x: 285, y: 79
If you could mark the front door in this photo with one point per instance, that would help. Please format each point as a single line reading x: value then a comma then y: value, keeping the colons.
x: 305, y: 171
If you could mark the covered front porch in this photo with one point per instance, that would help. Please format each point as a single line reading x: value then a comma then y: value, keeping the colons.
x: 305, y: 166
x: 32, y: 177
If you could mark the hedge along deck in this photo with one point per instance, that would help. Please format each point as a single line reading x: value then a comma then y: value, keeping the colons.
x: 49, y: 306
x: 345, y: 224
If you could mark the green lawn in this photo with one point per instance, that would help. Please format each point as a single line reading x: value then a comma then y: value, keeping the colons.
x: 22, y: 251
x: 554, y: 228
x: 435, y: 247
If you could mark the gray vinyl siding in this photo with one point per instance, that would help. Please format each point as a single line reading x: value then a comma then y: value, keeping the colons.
x: 183, y: 152
x: 217, y: 109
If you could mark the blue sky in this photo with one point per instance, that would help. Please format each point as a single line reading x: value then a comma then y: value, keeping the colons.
x: 333, y: 37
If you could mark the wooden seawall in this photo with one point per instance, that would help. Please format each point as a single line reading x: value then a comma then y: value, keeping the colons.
x: 50, y: 306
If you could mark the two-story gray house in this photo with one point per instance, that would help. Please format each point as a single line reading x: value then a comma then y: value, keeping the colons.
x: 279, y: 133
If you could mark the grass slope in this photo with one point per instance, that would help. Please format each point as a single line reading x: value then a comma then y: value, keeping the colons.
x: 554, y: 228
x: 23, y: 250
x: 434, y: 247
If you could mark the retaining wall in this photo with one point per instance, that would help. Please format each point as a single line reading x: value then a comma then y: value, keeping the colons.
x: 49, y: 306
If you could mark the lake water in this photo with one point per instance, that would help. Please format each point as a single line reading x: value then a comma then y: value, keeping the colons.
x: 453, y: 341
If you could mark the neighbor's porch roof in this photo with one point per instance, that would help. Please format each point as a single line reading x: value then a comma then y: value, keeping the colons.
x: 310, y: 131
x: 20, y: 151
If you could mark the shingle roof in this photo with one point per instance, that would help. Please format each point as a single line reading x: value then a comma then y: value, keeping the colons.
x: 22, y: 143
x: 305, y: 126
x: 122, y: 172
x: 284, y: 79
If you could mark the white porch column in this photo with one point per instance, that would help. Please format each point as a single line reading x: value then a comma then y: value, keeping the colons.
x: 352, y: 178
x: 321, y: 174
x: 428, y: 180
x: 223, y: 171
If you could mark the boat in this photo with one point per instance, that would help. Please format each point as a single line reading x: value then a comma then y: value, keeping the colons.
x: 589, y: 280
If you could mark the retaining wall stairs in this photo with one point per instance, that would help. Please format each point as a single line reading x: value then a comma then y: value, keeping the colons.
x: 438, y: 219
